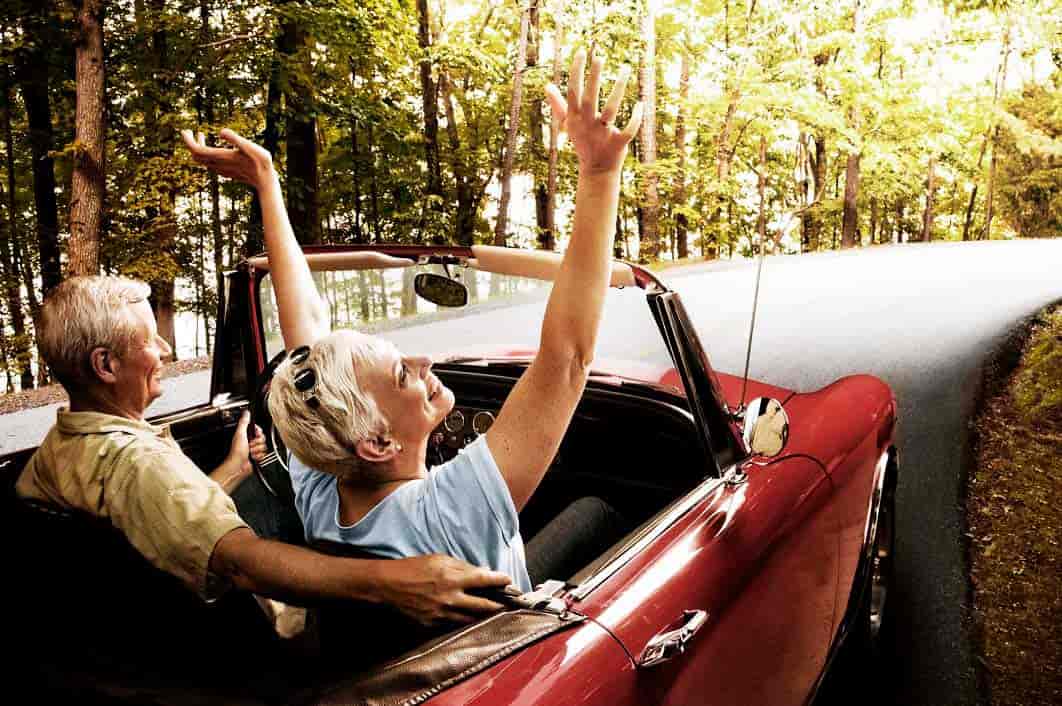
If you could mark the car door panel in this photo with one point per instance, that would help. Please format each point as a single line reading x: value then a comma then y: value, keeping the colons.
x: 760, y: 558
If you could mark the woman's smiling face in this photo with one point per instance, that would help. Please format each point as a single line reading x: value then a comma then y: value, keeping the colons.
x: 409, y: 396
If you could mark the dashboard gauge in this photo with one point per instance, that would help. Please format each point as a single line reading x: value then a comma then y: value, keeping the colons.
x: 455, y: 421
x: 481, y: 422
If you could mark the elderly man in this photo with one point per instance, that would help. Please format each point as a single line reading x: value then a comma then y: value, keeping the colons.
x: 99, y: 338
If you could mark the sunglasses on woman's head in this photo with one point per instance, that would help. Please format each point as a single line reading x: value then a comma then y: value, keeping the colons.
x: 305, y: 380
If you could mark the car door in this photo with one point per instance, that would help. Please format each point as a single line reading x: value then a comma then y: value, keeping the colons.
x: 741, y: 577
x: 728, y: 597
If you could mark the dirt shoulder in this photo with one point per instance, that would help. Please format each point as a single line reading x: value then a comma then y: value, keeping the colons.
x: 1015, y: 521
x: 50, y: 394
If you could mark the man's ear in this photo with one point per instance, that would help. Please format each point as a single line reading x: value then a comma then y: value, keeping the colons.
x: 377, y: 449
x: 102, y: 361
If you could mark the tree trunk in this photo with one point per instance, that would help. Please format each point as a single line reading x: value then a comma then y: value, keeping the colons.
x: 990, y: 193
x: 873, y: 221
x: 761, y: 219
x: 554, y: 137
x: 302, y: 178
x: 724, y: 155
x: 649, y: 234
x: 818, y: 181
x: 812, y: 217
x: 927, y: 215
x: 502, y: 224
x: 86, y: 188
x: 850, y: 217
x: 430, y: 103
x: 538, y: 149
x: 255, y: 241
x: 466, y: 202
x: 19, y: 345
x: 374, y: 184
x: 162, y: 216
x: 681, y: 225
x: 218, y: 244
x: 32, y: 73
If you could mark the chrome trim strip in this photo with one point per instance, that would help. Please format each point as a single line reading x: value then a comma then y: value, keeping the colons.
x: 691, y: 500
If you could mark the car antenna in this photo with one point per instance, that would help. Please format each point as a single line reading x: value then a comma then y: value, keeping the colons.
x: 755, y: 303
x: 752, y: 327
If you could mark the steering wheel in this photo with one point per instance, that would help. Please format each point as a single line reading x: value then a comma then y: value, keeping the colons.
x: 273, y: 471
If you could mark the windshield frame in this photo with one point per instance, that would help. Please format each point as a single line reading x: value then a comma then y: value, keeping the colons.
x: 681, y: 340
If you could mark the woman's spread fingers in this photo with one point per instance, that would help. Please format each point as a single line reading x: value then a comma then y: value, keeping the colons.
x: 575, y: 80
x: 189, y: 141
x: 634, y: 123
x: 592, y: 93
x: 556, y: 104
x: 608, y: 113
x: 233, y: 138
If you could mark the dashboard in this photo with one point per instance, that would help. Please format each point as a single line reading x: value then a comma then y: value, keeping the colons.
x: 460, y: 428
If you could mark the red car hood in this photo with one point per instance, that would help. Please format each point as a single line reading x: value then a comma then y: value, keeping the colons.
x: 615, y: 371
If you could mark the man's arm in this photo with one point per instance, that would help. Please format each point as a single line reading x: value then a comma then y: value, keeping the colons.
x: 428, y: 588
x: 303, y: 316
x: 534, y: 418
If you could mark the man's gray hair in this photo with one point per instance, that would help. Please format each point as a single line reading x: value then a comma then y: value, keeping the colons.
x: 85, y: 313
x: 326, y: 437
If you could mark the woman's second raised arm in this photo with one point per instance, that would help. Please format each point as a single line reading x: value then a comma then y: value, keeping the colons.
x: 303, y: 316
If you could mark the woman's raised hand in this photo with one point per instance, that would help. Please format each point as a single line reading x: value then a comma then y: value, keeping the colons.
x: 248, y: 162
x: 599, y: 145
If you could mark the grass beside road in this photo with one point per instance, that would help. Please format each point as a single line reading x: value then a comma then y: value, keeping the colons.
x: 1014, y: 508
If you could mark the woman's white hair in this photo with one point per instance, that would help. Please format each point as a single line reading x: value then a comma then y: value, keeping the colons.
x: 326, y: 437
x: 85, y: 313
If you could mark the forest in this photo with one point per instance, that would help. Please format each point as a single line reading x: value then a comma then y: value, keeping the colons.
x: 792, y: 125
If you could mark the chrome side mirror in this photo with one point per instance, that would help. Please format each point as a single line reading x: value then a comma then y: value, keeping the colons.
x: 439, y: 290
x: 766, y: 427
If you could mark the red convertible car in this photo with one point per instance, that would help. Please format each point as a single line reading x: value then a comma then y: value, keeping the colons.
x: 756, y: 553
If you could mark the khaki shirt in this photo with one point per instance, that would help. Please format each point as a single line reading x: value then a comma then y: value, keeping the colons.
x: 135, y: 475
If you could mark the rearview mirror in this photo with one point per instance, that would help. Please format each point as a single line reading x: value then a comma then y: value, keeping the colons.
x: 766, y: 426
x: 439, y: 290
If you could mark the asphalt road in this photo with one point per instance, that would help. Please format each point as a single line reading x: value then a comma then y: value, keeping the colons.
x: 924, y: 318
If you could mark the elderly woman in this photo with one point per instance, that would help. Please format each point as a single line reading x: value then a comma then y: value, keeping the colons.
x: 358, y: 424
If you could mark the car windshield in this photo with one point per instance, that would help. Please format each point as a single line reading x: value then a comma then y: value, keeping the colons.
x: 503, y: 317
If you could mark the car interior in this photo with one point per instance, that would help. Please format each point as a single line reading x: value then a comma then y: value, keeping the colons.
x: 88, y: 605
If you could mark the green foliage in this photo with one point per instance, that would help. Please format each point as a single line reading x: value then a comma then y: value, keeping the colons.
x: 1038, y: 386
x: 907, y: 84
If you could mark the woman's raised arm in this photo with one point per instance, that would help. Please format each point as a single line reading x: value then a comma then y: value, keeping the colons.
x: 536, y: 415
x: 303, y: 317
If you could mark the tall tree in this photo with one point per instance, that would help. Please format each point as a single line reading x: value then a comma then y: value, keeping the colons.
x: 206, y: 98
x: 502, y: 224
x: 545, y: 237
x: 649, y: 234
x: 430, y: 103
x: 554, y: 139
x: 681, y: 222
x: 300, y: 105
x: 927, y: 214
x: 18, y: 346
x: 850, y: 216
x: 32, y: 73
x: 990, y: 193
x: 87, y: 184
